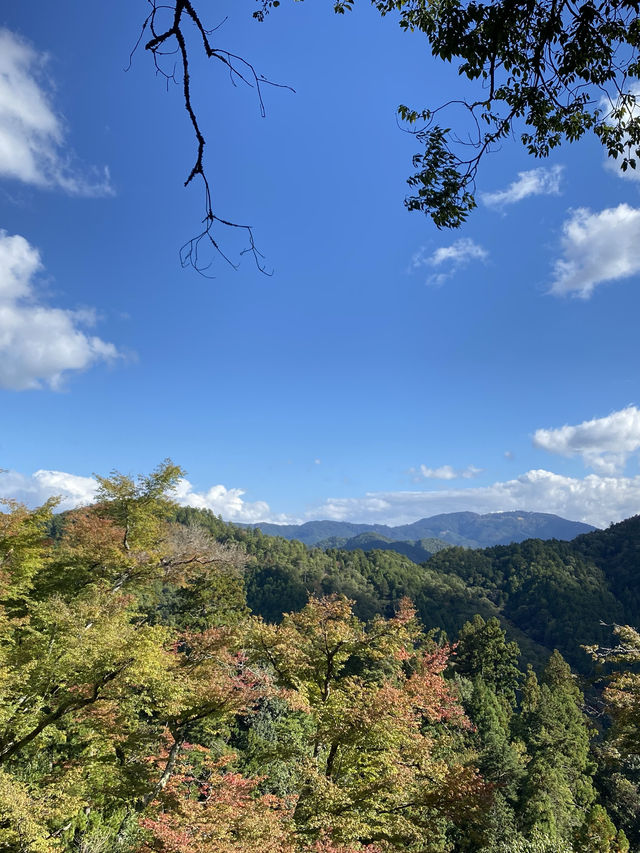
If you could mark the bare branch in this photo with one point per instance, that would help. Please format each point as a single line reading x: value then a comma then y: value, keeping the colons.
x: 169, y: 38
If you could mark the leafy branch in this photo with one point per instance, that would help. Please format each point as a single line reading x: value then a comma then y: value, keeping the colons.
x: 549, y: 70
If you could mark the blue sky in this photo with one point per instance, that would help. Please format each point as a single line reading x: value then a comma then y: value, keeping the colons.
x: 386, y: 370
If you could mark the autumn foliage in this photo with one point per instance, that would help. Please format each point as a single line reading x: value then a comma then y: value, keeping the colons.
x: 144, y: 710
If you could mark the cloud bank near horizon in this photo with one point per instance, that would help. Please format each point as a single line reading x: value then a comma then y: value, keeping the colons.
x: 595, y: 499
x: 76, y: 491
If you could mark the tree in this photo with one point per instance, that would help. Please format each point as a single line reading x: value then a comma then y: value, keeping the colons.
x: 140, y: 506
x: 547, y: 71
x: 209, y: 811
x: 622, y: 694
x: 97, y: 703
x: 168, y: 29
x: 501, y: 759
x: 386, y: 765
x: 558, y: 787
x: 483, y: 650
x: 598, y: 834
x: 619, y: 753
x: 485, y: 666
x: 22, y: 544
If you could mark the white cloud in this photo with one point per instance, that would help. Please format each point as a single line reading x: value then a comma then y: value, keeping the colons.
x: 446, y: 472
x: 458, y: 253
x: 597, y: 247
x: 229, y: 503
x: 603, y: 443
x: 594, y: 499
x: 32, y: 135
x: 451, y: 258
x: 541, y: 181
x: 78, y: 491
x: 35, y: 490
x: 38, y: 343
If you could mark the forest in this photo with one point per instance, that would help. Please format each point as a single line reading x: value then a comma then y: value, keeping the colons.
x: 172, y: 683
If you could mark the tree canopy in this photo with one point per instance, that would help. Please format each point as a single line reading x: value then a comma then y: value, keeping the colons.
x: 543, y: 71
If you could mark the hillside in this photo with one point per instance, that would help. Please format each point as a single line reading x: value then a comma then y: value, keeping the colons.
x: 419, y: 551
x: 547, y: 594
x: 147, y: 710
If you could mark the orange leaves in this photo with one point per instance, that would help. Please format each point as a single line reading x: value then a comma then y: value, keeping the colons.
x: 326, y: 845
x: 91, y: 537
x: 218, y: 811
x: 309, y: 650
x: 429, y: 691
x: 128, y: 710
x: 384, y: 766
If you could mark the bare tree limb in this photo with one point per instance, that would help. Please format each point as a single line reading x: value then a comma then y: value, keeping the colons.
x: 172, y: 40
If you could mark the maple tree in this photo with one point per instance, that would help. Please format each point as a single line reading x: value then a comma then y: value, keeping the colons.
x: 384, y: 764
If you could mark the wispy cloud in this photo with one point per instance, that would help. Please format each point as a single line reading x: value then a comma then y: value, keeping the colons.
x: 604, y: 444
x: 38, y: 344
x: 597, y: 247
x: 449, y: 258
x: 445, y: 472
x: 541, y: 181
x: 33, y: 147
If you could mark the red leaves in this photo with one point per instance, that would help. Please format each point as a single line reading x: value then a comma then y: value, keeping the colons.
x: 218, y: 811
x: 431, y: 693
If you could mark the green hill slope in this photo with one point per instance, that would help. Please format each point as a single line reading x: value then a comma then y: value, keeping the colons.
x: 547, y: 594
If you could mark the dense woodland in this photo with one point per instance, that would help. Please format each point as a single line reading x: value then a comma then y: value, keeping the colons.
x: 174, y: 684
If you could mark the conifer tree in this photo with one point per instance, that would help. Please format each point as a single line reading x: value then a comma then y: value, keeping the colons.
x: 598, y: 834
x: 483, y: 650
x: 558, y: 787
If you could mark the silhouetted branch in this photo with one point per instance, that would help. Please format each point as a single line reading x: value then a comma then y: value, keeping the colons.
x: 172, y: 40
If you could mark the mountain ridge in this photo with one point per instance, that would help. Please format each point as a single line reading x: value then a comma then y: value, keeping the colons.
x: 466, y: 529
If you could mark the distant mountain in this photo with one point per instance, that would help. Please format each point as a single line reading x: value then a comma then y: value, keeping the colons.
x: 467, y: 529
x: 313, y: 532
